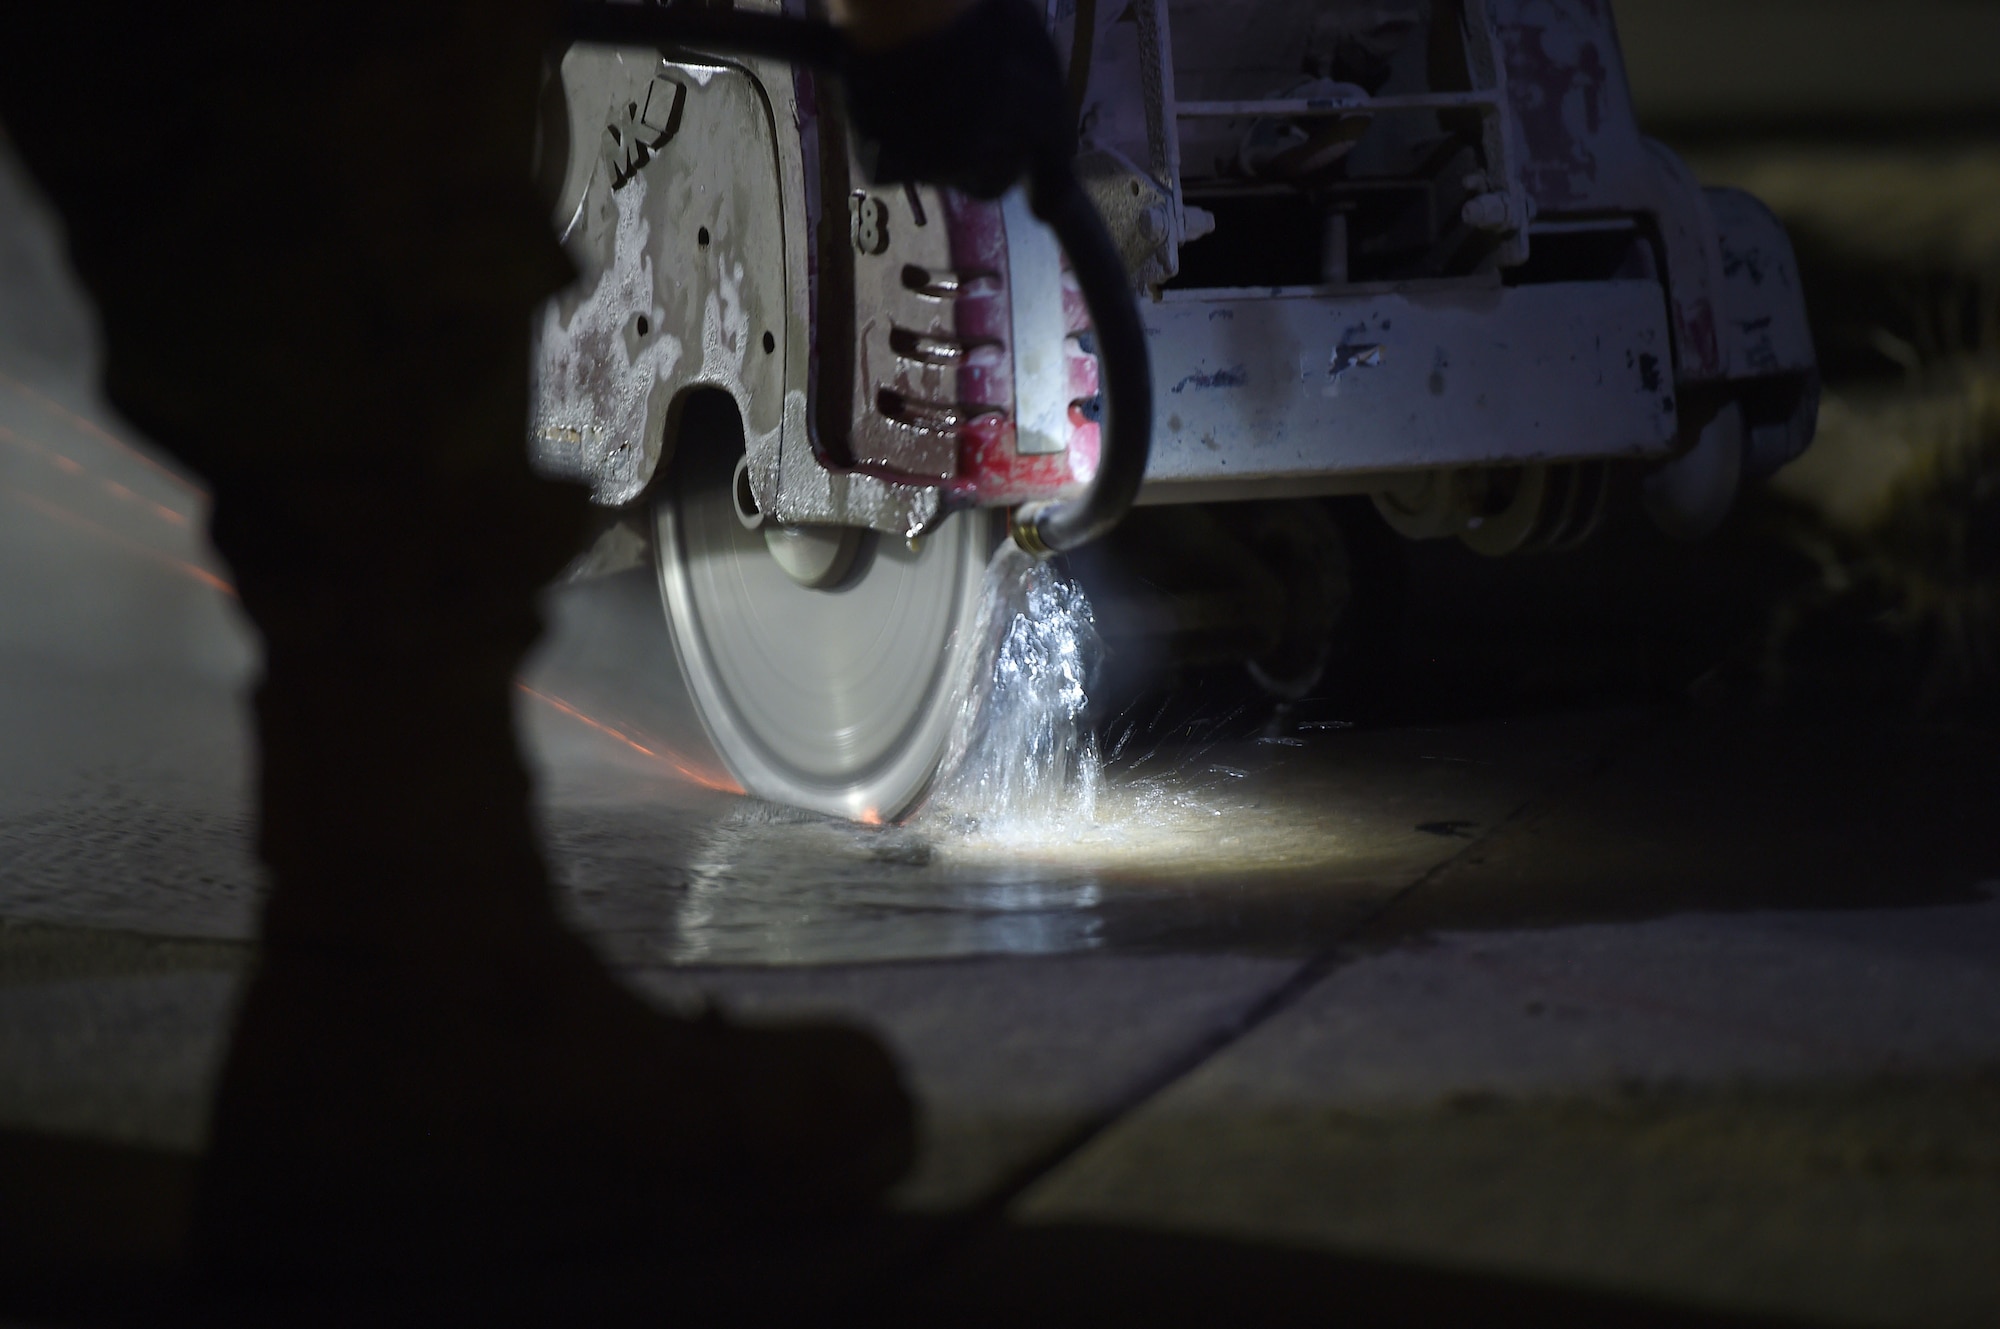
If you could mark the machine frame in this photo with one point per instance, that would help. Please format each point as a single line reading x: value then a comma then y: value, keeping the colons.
x: 889, y: 350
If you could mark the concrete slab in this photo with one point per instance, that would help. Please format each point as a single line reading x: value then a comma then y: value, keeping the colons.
x: 117, y: 1038
x: 1760, y: 1111
x: 129, y: 1060
x: 132, y: 855
x: 1267, y: 847
x: 34, y: 953
x: 1830, y: 1202
x: 1730, y: 806
x: 1011, y: 1060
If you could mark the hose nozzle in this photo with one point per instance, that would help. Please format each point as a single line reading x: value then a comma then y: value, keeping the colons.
x: 1024, y: 528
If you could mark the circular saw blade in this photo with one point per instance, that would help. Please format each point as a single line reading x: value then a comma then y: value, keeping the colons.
x: 838, y: 699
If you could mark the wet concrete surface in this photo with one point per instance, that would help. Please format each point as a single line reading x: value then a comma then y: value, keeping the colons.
x: 1559, y: 978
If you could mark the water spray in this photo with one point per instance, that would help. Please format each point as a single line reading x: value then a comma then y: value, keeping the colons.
x: 1022, y: 761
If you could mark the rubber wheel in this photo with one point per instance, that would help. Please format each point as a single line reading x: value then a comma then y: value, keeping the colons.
x: 838, y: 698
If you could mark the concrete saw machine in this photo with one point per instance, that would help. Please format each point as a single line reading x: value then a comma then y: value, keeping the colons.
x: 1411, y: 251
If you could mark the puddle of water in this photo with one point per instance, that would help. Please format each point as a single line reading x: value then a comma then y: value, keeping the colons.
x: 1034, y: 841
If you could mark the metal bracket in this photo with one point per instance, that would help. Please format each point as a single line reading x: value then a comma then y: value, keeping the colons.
x: 1163, y: 138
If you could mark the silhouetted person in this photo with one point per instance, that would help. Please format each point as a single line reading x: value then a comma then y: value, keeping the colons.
x: 312, y: 239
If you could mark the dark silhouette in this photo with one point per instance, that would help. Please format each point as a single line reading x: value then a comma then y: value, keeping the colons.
x: 314, y: 244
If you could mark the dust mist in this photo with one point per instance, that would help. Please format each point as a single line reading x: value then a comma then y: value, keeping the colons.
x: 124, y: 746
x: 603, y: 702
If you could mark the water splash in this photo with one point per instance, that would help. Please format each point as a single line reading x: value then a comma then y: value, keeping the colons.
x: 1024, y: 784
x: 1022, y: 764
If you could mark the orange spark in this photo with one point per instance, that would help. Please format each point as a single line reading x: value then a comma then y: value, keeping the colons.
x: 61, y: 514
x: 686, y: 769
x: 68, y: 466
x: 869, y: 817
x: 209, y: 579
x: 160, y: 510
x: 97, y: 431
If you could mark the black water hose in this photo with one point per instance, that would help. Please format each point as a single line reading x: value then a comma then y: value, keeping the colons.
x: 1125, y: 366
x: 798, y: 41
x: 1125, y: 373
